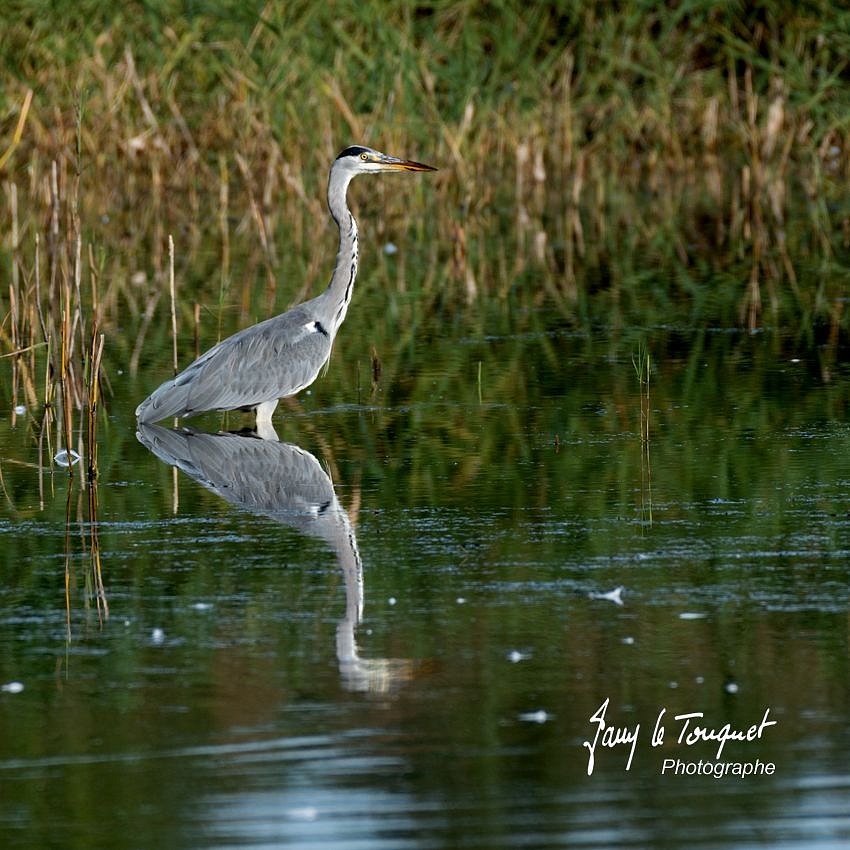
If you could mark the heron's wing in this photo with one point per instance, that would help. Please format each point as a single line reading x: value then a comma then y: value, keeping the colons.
x: 268, y: 361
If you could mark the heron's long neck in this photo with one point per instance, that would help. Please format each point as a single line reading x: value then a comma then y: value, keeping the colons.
x: 342, y: 283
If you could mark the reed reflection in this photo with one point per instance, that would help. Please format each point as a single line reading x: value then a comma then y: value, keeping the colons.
x: 288, y: 484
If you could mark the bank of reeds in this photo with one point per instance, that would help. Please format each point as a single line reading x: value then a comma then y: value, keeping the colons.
x: 53, y: 334
x: 622, y: 162
x: 54, y: 340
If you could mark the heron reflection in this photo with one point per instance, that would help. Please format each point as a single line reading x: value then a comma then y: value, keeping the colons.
x: 288, y: 484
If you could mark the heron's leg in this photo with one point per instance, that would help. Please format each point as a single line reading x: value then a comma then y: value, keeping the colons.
x: 265, y: 429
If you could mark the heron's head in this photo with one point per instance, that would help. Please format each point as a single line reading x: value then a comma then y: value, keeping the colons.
x: 360, y: 160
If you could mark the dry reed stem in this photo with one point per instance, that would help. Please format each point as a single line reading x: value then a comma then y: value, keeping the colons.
x: 19, y: 128
x: 68, y: 561
x: 96, y: 357
x: 94, y: 554
x: 173, y: 294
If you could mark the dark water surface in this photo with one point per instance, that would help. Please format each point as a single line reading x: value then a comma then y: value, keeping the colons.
x: 396, y: 634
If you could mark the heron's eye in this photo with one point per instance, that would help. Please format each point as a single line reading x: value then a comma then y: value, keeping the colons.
x: 364, y: 157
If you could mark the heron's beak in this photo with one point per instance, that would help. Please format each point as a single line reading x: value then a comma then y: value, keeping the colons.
x: 391, y: 163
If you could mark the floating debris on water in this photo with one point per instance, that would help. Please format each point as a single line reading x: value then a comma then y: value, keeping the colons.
x: 20, y: 409
x: 304, y: 813
x: 615, y: 595
x: 731, y: 688
x: 539, y: 716
x: 157, y: 636
x: 628, y: 640
x: 12, y: 687
x: 515, y: 656
x: 391, y: 600
x: 692, y: 615
x: 65, y: 458
x: 202, y: 606
x: 460, y: 600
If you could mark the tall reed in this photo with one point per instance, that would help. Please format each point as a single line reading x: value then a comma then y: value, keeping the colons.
x: 583, y: 150
x: 642, y: 364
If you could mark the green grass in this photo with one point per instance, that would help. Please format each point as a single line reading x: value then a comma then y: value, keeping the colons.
x: 629, y: 163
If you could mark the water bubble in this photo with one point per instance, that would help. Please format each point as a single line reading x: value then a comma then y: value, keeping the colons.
x: 12, y: 687
x: 66, y: 458
x: 692, y: 615
x: 20, y: 409
x: 731, y: 688
x: 392, y: 600
x: 460, y: 600
x: 390, y: 248
x: 303, y: 813
x: 515, y: 656
x: 157, y: 636
x: 539, y: 716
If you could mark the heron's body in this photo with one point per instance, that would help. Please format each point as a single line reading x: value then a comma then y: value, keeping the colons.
x: 281, y: 356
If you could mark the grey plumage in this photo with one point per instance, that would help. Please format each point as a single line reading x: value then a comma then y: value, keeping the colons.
x: 281, y: 356
x: 270, y: 360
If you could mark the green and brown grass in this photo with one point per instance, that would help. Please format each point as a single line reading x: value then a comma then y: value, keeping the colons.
x: 616, y: 163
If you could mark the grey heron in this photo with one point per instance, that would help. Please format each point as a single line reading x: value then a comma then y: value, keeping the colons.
x: 259, y: 365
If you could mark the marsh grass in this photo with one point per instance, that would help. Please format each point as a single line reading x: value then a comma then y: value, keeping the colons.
x: 642, y: 364
x: 54, y: 327
x: 629, y: 163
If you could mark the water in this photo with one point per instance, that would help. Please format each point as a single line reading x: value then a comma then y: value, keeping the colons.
x: 393, y: 629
